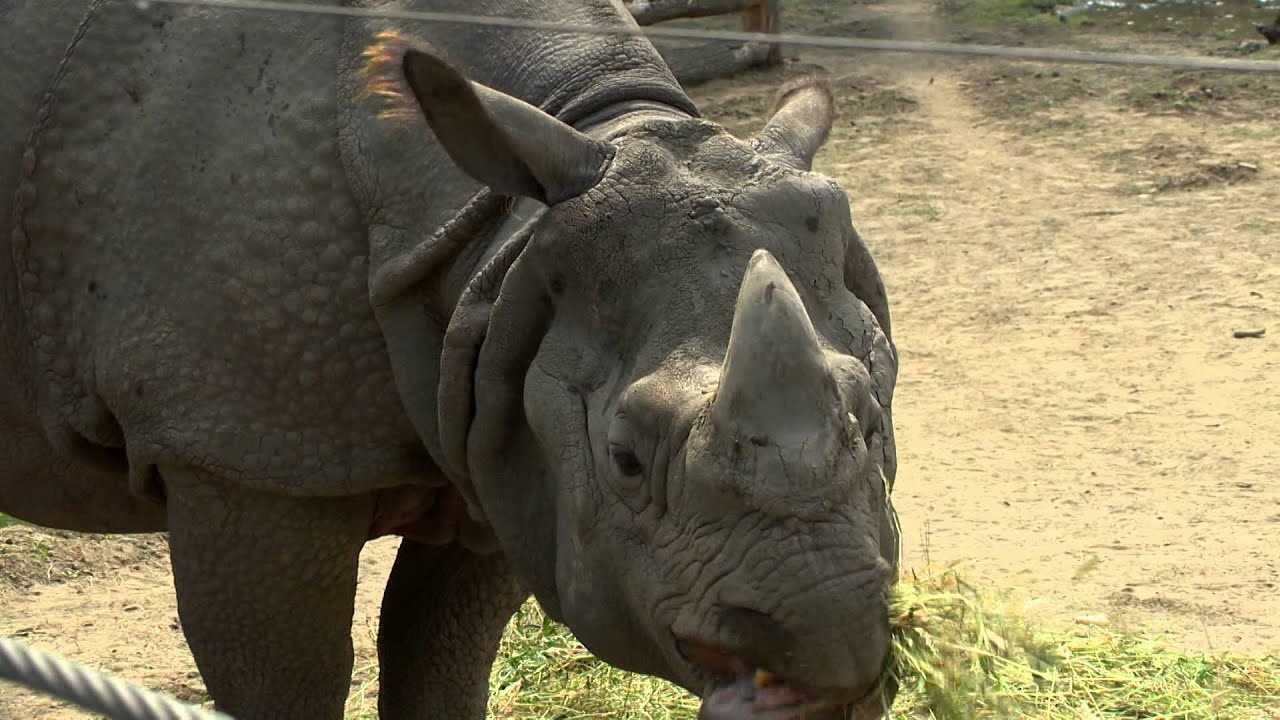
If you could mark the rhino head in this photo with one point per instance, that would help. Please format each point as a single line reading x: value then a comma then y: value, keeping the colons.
x: 677, y: 398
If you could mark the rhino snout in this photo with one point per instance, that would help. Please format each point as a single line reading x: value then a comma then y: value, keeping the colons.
x: 823, y: 651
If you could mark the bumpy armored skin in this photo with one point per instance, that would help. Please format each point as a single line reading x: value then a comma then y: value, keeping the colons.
x: 280, y: 284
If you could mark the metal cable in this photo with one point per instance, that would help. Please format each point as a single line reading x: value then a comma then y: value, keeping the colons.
x: 117, y: 699
x: 1056, y: 55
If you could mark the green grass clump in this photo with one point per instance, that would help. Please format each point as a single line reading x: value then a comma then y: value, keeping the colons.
x: 543, y: 672
x: 960, y: 653
x: 6, y: 521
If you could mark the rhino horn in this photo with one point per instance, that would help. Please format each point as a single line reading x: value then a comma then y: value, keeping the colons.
x: 775, y: 385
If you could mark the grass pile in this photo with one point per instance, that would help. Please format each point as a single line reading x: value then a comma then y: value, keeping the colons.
x: 960, y: 653
x: 963, y: 653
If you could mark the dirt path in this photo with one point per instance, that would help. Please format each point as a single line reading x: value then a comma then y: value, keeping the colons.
x: 1075, y: 418
x: 1097, y: 434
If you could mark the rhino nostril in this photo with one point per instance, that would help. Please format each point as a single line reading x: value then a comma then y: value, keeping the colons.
x: 767, y: 639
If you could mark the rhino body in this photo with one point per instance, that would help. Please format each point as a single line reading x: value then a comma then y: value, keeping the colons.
x: 279, y: 284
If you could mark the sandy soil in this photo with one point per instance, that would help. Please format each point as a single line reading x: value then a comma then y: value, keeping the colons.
x: 1068, y: 252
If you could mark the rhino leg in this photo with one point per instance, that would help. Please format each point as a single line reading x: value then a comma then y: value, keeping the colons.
x: 443, y: 614
x: 266, y: 591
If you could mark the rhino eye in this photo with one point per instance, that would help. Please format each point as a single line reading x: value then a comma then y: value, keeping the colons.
x: 626, y: 462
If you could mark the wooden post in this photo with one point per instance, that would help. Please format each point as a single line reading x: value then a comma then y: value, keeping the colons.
x: 765, y: 17
x: 717, y: 58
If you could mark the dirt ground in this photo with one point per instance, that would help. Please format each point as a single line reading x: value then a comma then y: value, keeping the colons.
x: 1069, y: 251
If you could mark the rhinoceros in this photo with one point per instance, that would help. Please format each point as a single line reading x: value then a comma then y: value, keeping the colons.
x: 278, y: 284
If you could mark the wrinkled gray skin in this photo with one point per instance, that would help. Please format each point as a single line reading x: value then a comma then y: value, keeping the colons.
x: 645, y: 375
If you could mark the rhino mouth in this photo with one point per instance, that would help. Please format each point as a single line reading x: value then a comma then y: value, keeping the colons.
x: 734, y: 690
x: 758, y: 695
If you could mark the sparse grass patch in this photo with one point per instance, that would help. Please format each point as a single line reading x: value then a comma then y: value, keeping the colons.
x: 1021, y: 15
x: 1028, y: 95
x: 864, y: 96
x: 868, y: 106
x: 1024, y: 93
x: 1207, y: 174
x: 31, y: 556
x: 912, y: 209
x: 1164, y: 163
x: 6, y: 521
x: 1175, y: 92
x: 960, y: 653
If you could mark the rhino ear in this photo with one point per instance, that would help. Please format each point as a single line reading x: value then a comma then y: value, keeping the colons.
x: 801, y: 121
x: 502, y: 141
